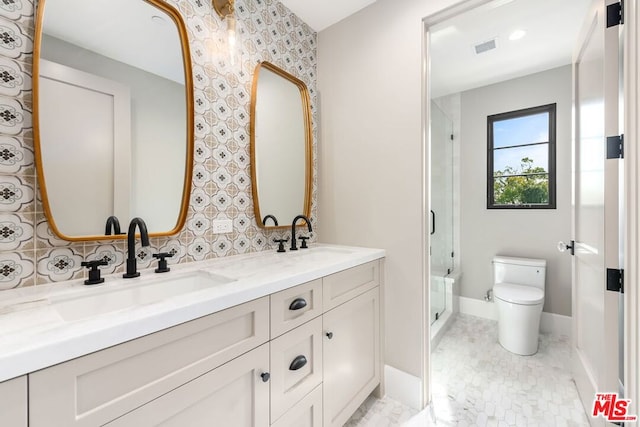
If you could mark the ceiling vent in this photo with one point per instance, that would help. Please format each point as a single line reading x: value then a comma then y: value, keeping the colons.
x: 485, y: 46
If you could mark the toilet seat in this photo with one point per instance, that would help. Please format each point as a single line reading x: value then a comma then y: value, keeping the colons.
x: 518, y: 294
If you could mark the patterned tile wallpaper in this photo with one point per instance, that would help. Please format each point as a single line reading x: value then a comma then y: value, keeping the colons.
x: 29, y: 252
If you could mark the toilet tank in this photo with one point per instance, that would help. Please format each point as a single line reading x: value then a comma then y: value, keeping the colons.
x: 519, y: 271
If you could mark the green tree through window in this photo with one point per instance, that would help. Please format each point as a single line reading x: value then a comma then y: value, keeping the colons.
x: 527, y: 185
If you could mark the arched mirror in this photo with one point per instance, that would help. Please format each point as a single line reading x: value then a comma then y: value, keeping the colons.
x: 113, y: 115
x: 281, y: 146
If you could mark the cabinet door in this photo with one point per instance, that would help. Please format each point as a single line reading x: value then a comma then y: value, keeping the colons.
x: 232, y: 395
x: 351, y: 356
x: 13, y: 402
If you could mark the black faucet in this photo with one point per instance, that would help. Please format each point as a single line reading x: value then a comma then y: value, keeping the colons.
x: 294, y: 246
x: 112, y: 222
x: 131, y: 246
x: 264, y: 220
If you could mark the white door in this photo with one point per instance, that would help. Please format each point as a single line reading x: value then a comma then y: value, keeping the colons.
x: 92, y: 133
x: 596, y: 208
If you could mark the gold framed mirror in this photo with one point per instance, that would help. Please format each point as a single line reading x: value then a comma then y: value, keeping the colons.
x: 281, y: 146
x: 113, y: 116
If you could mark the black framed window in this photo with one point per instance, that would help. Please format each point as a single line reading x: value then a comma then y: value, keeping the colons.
x: 521, y: 159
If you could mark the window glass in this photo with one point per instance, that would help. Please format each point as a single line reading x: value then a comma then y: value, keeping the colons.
x: 521, y: 158
x: 521, y: 130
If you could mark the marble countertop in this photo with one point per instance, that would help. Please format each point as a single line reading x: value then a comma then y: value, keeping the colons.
x: 36, y: 332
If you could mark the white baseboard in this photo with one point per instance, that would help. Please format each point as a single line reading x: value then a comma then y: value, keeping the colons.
x: 550, y: 323
x: 555, y: 324
x: 403, y: 387
x: 478, y: 308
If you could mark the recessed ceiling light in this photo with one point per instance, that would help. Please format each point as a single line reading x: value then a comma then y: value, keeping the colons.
x: 517, y: 35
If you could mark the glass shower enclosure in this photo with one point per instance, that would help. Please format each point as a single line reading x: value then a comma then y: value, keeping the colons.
x: 441, y: 207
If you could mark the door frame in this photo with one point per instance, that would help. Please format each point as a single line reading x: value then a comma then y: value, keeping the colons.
x: 631, y: 67
x: 427, y: 23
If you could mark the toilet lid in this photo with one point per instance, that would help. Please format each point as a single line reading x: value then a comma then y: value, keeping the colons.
x: 518, y: 294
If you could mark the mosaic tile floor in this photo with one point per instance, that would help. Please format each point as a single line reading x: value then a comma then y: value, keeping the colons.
x: 381, y: 413
x: 478, y: 383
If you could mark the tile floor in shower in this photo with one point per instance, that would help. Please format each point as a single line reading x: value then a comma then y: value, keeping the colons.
x: 478, y: 383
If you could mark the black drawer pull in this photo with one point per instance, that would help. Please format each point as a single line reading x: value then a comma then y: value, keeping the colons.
x: 265, y: 376
x: 329, y: 335
x: 297, y: 304
x: 298, y: 363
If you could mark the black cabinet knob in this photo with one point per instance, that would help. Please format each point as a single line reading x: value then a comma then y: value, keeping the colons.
x: 298, y: 363
x: 329, y: 335
x: 298, y: 304
x: 265, y: 376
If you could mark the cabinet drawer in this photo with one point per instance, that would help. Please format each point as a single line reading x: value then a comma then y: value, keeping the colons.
x: 13, y: 402
x: 231, y: 395
x: 344, y: 285
x: 102, y: 386
x: 296, y: 366
x: 306, y: 413
x: 293, y: 307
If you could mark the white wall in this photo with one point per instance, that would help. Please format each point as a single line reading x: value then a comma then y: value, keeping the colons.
x: 371, y: 154
x: 530, y: 233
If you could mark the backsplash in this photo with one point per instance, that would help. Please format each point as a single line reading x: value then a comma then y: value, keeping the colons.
x: 29, y: 252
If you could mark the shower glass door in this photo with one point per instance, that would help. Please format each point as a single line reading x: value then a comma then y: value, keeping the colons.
x: 441, y: 205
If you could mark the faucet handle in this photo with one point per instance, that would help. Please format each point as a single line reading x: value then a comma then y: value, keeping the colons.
x: 94, y: 271
x: 281, y: 243
x: 304, y: 242
x: 162, y: 262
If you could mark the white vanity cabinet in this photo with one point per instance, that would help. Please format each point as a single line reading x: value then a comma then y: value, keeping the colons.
x: 13, y: 402
x: 305, y: 356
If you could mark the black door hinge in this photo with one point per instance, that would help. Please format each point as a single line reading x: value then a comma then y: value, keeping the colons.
x: 615, y: 280
x: 615, y: 147
x: 615, y: 14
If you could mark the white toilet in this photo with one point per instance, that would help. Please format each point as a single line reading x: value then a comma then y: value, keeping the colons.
x: 518, y: 291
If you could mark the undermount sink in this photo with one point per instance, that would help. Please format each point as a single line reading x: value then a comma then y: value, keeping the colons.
x: 125, y: 295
